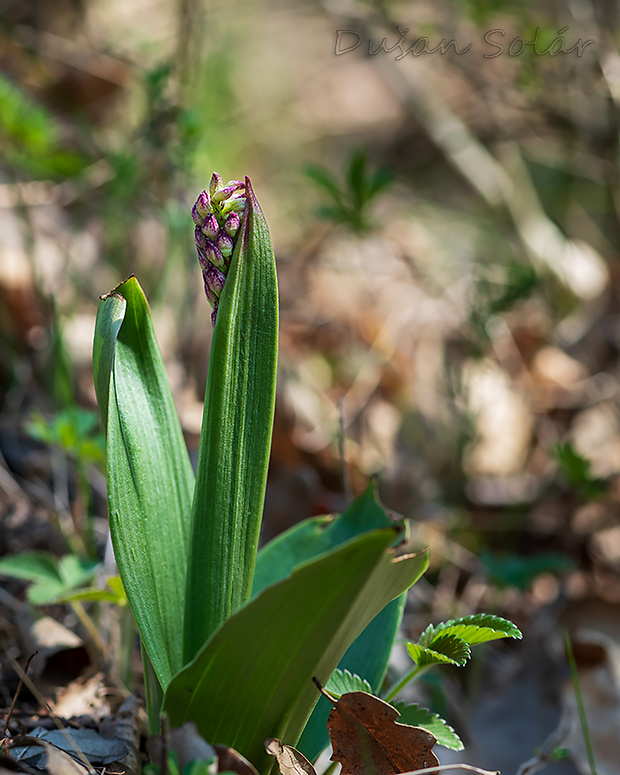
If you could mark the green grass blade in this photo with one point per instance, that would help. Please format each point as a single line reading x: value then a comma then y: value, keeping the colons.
x: 236, y: 435
x: 150, y: 479
x: 253, y: 679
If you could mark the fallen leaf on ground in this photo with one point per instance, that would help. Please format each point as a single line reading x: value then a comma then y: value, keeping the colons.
x: 229, y: 760
x: 290, y: 761
x: 367, y: 738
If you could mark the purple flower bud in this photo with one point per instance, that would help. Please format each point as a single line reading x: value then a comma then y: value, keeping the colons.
x: 229, y: 189
x: 231, y: 226
x: 214, y: 282
x: 210, y: 227
x: 216, y: 183
x: 200, y: 239
x: 212, y: 255
x: 235, y: 204
x: 225, y: 244
x: 201, y: 208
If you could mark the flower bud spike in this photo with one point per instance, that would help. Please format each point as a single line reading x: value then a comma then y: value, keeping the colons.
x: 217, y: 214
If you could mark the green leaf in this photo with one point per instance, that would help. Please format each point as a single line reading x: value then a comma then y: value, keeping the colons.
x: 317, y: 535
x: 444, y: 649
x: 52, y: 580
x: 30, y: 566
x: 368, y: 657
x: 342, y: 681
x: 150, y: 478
x: 235, y: 440
x: 421, y: 717
x: 253, y: 678
x: 515, y: 571
x: 478, y: 628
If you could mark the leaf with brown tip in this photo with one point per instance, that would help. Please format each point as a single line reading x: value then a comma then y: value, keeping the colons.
x: 367, y: 738
x: 290, y: 760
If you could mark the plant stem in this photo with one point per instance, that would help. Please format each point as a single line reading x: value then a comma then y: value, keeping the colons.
x: 585, y: 729
x: 413, y: 673
x: 91, y: 630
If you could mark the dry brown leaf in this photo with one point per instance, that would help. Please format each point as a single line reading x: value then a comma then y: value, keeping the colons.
x: 229, y: 760
x: 367, y: 738
x: 290, y: 761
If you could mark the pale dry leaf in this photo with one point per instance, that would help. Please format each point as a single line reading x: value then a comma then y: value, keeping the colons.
x: 366, y: 738
x: 60, y: 763
x: 290, y: 761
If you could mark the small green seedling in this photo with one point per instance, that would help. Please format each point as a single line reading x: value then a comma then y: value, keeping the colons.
x: 351, y: 200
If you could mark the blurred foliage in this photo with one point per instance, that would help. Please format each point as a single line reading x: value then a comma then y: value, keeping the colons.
x: 74, y: 431
x: 576, y: 470
x: 351, y: 199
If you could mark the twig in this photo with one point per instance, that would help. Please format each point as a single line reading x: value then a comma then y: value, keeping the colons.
x: 41, y: 699
x: 16, y: 695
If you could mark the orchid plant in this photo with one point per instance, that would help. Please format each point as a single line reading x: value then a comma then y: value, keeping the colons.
x: 232, y: 637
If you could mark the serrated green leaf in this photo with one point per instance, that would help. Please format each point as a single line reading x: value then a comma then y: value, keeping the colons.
x: 445, y: 649
x: 150, y: 478
x: 342, y: 681
x: 253, y: 679
x: 421, y: 717
x: 478, y: 628
x: 235, y: 440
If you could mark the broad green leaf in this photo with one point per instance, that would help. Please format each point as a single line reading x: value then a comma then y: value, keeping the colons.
x: 150, y: 478
x: 235, y: 440
x: 478, y: 628
x: 445, y: 648
x: 421, y: 717
x: 342, y: 681
x: 317, y: 535
x: 368, y: 657
x: 253, y: 679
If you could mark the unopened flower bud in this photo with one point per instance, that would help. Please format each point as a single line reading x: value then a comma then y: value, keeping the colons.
x: 212, y: 255
x: 225, y: 244
x: 226, y: 191
x: 214, y: 282
x: 202, y: 208
x: 232, y: 223
x: 210, y: 227
x: 216, y: 183
x: 234, y: 204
